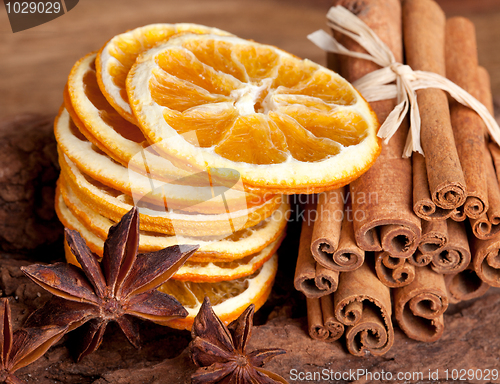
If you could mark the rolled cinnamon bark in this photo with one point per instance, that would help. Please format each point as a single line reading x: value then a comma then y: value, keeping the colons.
x: 486, y: 259
x: 424, y: 37
x: 419, y: 306
x: 455, y: 256
x: 381, y: 198
x: 488, y: 224
x: 434, y: 236
x: 393, y: 272
x: 423, y: 206
x: 363, y: 304
x: 333, y: 243
x: 462, y: 69
x: 321, y: 320
x: 310, y: 278
x: 465, y: 285
x: 485, y: 95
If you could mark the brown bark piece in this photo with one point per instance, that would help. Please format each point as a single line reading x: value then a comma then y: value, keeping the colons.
x: 462, y: 69
x: 434, y: 238
x: 465, y: 285
x: 28, y: 171
x: 486, y: 259
x: 423, y: 206
x: 393, y: 272
x: 311, y: 278
x: 419, y: 306
x: 381, y: 198
x: 333, y: 243
x: 363, y: 304
x: 485, y: 95
x: 488, y: 224
x: 322, y: 324
x: 455, y: 256
x: 424, y: 36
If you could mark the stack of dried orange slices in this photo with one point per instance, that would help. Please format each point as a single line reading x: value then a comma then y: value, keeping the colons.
x: 206, y: 133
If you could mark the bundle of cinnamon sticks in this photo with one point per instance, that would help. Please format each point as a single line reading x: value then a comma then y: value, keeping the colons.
x: 411, y: 235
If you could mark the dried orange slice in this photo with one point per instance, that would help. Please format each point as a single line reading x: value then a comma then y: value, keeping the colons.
x: 113, y: 204
x: 229, y: 298
x: 102, y: 168
x: 118, y: 55
x: 94, y: 229
x: 286, y: 125
x: 215, y: 271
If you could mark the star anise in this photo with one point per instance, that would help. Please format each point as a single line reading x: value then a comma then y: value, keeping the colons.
x: 23, y: 347
x: 220, y: 351
x: 123, y: 285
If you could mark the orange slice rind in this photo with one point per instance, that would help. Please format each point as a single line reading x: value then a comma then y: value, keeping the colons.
x: 118, y: 55
x: 286, y: 125
x: 94, y: 229
x: 229, y: 299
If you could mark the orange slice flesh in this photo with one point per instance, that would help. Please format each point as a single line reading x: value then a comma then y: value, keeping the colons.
x: 99, y: 122
x: 211, y: 272
x: 229, y: 299
x: 113, y: 204
x: 117, y: 56
x: 100, y: 167
x: 286, y: 125
x: 94, y: 229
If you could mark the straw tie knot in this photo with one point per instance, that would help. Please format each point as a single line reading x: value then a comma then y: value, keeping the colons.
x: 403, y: 71
x: 393, y: 79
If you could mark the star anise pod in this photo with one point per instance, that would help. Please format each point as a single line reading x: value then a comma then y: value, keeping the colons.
x: 123, y: 285
x: 23, y: 347
x: 220, y: 351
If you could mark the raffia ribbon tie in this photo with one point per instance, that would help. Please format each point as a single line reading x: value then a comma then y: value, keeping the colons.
x: 393, y: 79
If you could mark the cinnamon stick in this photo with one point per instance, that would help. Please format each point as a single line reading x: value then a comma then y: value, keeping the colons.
x: 455, y: 256
x: 423, y: 205
x: 393, y: 272
x: 321, y: 321
x: 462, y: 69
x: 434, y: 238
x: 424, y: 37
x: 419, y: 306
x: 488, y: 224
x: 311, y: 278
x: 485, y: 95
x: 486, y: 259
x: 333, y: 243
x: 363, y: 304
x: 465, y: 285
x: 381, y: 198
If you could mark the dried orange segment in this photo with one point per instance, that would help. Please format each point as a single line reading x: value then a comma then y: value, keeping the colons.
x: 117, y: 56
x: 217, y: 55
x: 260, y: 62
x: 209, y: 130
x: 229, y: 298
x: 302, y: 144
x: 286, y: 125
x: 350, y: 127
x: 179, y: 94
x: 95, y: 227
x: 326, y: 86
x: 243, y: 141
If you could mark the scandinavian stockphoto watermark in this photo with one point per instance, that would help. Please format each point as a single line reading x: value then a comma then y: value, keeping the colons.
x: 28, y: 14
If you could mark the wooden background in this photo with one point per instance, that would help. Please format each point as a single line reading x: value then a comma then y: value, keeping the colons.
x: 35, y: 63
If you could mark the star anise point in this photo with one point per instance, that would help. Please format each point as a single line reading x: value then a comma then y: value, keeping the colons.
x: 122, y: 285
x: 220, y: 351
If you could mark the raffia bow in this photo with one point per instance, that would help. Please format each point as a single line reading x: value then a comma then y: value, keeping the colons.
x: 393, y: 80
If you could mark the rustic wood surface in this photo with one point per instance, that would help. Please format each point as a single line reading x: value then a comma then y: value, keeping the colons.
x: 35, y: 63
